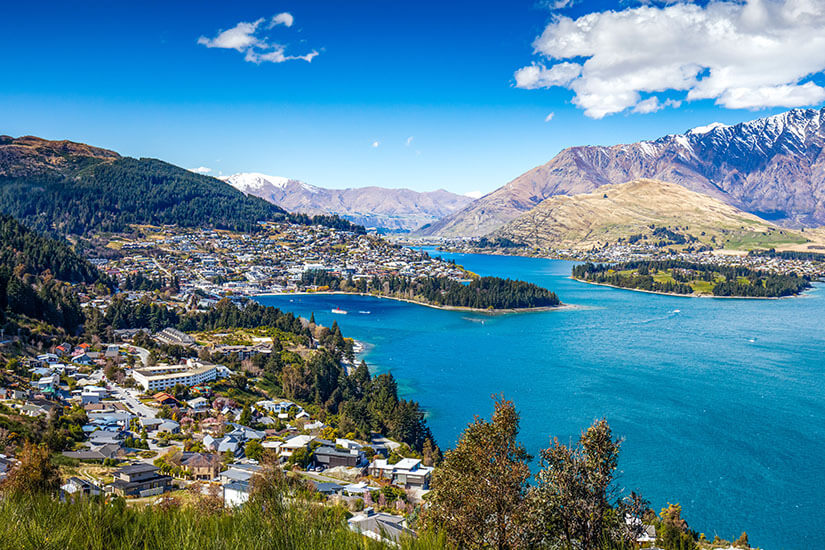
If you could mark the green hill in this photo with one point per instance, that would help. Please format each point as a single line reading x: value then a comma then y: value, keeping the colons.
x: 73, y: 188
x: 36, y: 278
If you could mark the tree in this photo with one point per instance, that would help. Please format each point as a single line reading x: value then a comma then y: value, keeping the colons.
x: 477, y: 496
x: 254, y: 449
x: 246, y: 416
x: 34, y: 473
x: 572, y: 497
x: 673, y: 532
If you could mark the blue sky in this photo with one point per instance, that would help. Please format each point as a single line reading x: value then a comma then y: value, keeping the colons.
x: 135, y: 78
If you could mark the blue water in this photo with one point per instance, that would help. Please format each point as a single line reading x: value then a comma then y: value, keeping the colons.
x: 721, y: 402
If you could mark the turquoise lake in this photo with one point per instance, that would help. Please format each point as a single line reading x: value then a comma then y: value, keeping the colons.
x: 721, y: 402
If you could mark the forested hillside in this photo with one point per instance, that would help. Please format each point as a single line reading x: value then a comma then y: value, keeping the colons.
x: 36, y: 274
x: 70, y: 188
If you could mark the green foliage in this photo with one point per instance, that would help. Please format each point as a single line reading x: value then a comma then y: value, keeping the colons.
x: 36, y: 274
x: 672, y: 532
x: 725, y: 280
x: 480, y: 293
x: 478, y: 495
x: 41, y: 523
x: 35, y: 474
x: 254, y: 449
x: 20, y: 246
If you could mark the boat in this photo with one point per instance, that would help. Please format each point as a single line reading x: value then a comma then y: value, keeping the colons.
x: 364, y: 312
x: 339, y: 311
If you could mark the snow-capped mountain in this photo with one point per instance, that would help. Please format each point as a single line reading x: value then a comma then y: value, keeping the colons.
x: 390, y: 209
x: 773, y: 167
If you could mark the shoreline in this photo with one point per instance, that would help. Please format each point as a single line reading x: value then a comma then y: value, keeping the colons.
x: 692, y: 295
x: 560, y: 307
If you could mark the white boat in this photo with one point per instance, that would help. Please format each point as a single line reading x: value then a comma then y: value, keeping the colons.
x: 339, y: 311
x: 364, y: 312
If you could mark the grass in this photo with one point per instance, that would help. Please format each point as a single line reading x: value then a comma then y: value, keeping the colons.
x: 42, y: 523
x: 754, y: 240
x: 702, y: 287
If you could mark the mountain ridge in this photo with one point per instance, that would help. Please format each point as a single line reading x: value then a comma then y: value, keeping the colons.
x: 371, y: 206
x: 773, y: 167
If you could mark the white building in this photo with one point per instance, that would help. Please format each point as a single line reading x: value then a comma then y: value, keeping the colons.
x: 161, y: 377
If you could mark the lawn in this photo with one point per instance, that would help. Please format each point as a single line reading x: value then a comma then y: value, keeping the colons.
x: 751, y: 241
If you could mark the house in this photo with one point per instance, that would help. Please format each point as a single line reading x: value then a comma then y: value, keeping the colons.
x: 169, y: 427
x: 30, y: 409
x: 163, y: 398
x: 48, y: 382
x: 327, y: 488
x: 406, y: 473
x: 379, y: 526
x: 139, y: 480
x: 173, y: 336
x: 199, y: 404
x: 348, y: 444
x: 76, y: 487
x: 49, y: 358
x: 63, y: 349
x: 239, y: 472
x: 235, y: 493
x: 92, y: 394
x: 314, y: 426
x: 245, y: 433
x: 105, y: 437
x: 150, y: 424
x: 203, y: 466
x: 298, y: 442
x: 330, y: 457
x: 82, y: 359
x: 112, y: 352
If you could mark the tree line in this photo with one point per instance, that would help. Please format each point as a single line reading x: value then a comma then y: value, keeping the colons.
x: 478, y: 293
x: 735, y: 280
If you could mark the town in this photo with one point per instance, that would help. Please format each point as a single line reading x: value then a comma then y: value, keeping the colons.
x: 810, y: 264
x: 141, y: 442
x: 205, y: 265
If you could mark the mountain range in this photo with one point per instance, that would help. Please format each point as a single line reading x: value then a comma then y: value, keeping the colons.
x: 642, y: 211
x: 772, y: 167
x: 378, y: 207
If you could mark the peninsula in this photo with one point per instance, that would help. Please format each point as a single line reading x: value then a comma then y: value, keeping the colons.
x: 693, y: 279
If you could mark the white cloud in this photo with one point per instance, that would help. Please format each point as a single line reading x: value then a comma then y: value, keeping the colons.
x: 251, y: 39
x: 201, y: 170
x: 474, y: 194
x: 652, y: 104
x: 549, y: 117
x: 538, y: 76
x: 240, y: 37
x: 375, y: 144
x: 742, y: 54
x: 409, y: 141
x: 284, y: 19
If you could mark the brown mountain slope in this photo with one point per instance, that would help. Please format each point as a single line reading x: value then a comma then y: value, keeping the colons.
x: 633, y: 211
x: 773, y: 167
x: 29, y: 155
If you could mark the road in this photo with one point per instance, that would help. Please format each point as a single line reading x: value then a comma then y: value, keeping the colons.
x: 128, y: 397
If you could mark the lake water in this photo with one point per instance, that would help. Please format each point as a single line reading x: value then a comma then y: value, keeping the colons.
x: 721, y: 402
